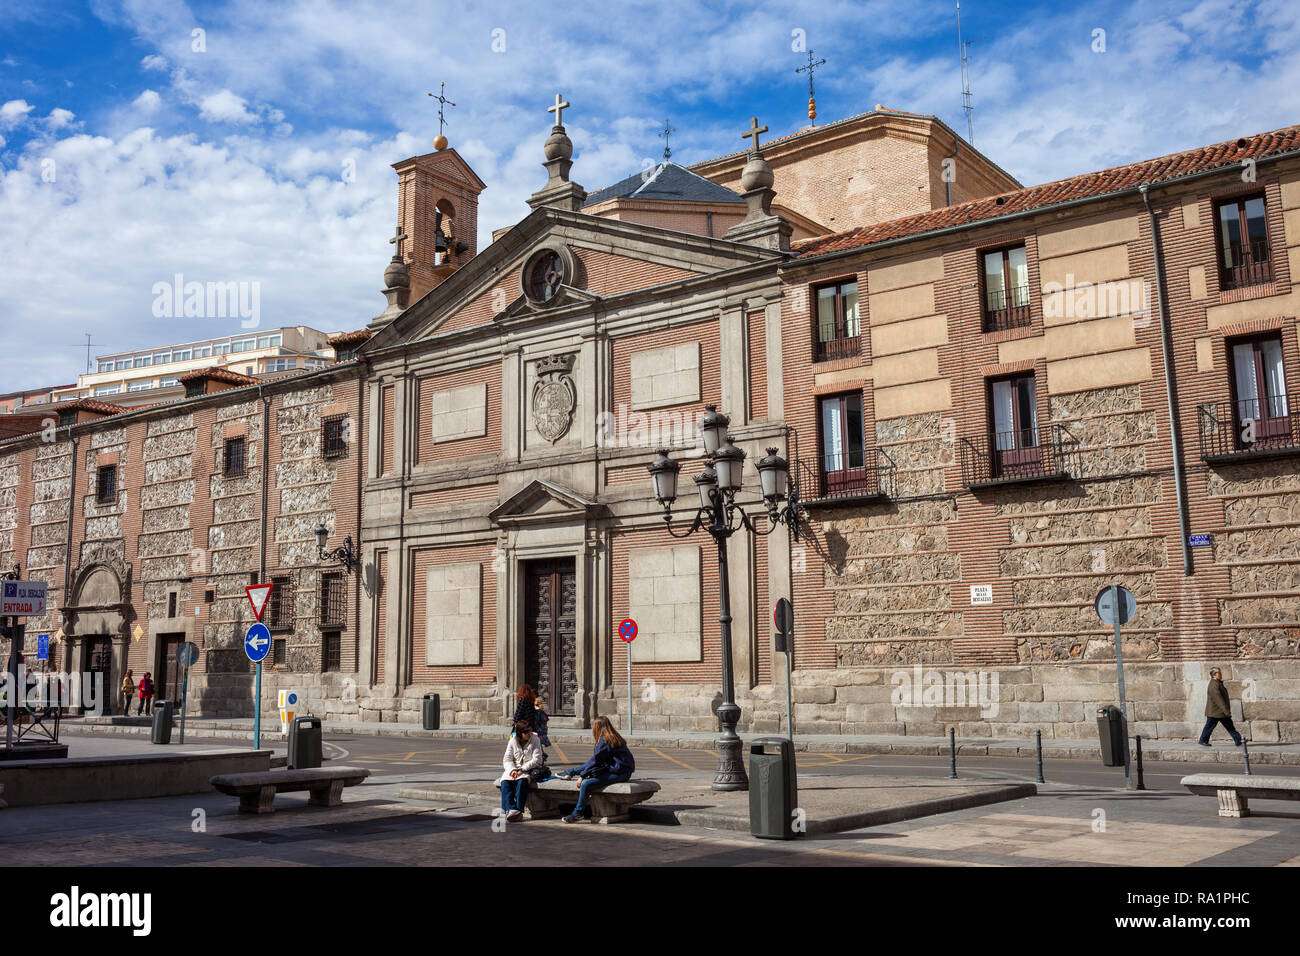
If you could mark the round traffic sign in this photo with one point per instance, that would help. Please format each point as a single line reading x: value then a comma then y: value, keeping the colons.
x: 783, y: 616
x: 627, y: 630
x: 1108, y: 608
x: 257, y: 642
x: 187, y: 654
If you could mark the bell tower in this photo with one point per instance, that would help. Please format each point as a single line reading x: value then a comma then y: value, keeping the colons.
x: 437, y: 208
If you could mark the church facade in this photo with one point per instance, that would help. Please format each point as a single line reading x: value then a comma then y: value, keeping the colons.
x: 994, y: 401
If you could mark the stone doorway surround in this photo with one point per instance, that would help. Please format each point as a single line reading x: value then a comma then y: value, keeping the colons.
x: 544, y: 520
x: 100, y: 607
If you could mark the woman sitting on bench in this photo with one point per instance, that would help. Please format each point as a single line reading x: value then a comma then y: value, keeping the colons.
x: 523, y: 753
x: 611, y: 763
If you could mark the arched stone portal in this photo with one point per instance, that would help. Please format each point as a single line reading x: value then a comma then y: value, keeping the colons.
x: 96, y: 627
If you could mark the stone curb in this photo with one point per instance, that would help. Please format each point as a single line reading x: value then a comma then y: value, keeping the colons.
x: 1059, y: 750
x: 716, y: 820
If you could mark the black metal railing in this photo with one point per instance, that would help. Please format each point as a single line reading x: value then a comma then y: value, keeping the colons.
x: 830, y: 342
x: 1006, y: 308
x: 1249, y: 427
x: 1248, y: 264
x: 855, y: 475
x: 1026, y: 454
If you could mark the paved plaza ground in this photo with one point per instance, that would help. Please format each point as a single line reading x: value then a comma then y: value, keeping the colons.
x: 1081, y: 816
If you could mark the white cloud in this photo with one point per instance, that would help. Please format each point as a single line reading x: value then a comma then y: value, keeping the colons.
x: 225, y: 107
x: 14, y: 112
x: 154, y: 62
x: 148, y: 101
x: 59, y: 118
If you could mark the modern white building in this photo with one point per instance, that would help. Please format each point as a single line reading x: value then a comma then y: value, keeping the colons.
x: 136, y: 377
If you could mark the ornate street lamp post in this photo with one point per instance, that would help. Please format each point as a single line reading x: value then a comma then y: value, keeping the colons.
x: 721, y: 517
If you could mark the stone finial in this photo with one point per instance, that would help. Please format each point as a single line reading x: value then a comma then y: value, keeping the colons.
x: 759, y: 227
x: 397, y: 283
x: 558, y: 191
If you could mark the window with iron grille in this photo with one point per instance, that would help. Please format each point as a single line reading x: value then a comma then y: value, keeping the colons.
x: 106, y: 485
x: 279, y: 654
x: 1243, y: 243
x: 836, y: 328
x: 193, y: 389
x: 279, y: 616
x: 331, y: 651
x: 333, y: 601
x: 67, y: 418
x: 1006, y: 289
x: 334, y: 436
x: 232, y: 459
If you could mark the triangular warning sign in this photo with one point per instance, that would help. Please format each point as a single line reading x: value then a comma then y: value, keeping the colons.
x: 258, y: 595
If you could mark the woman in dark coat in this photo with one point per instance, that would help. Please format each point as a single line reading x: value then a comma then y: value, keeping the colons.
x: 525, y: 708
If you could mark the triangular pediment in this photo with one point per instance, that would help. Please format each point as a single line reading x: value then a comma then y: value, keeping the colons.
x: 542, y: 501
x: 613, y: 259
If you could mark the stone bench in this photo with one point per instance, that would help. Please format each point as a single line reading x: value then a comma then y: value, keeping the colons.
x: 609, y: 805
x: 1235, y: 790
x: 256, y: 791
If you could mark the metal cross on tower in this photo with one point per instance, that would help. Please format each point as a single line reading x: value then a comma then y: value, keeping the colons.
x: 443, y: 102
x: 399, y: 237
x: 665, y: 133
x: 752, y: 133
x: 558, y: 109
x: 810, y: 69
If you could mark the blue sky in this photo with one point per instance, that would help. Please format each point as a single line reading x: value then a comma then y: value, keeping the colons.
x: 134, y: 149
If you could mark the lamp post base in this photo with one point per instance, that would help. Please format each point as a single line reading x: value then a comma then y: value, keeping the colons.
x: 730, y: 774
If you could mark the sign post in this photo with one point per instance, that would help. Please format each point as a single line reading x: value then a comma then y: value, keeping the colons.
x: 783, y: 618
x: 1116, y: 605
x: 627, y: 632
x: 186, y: 655
x: 257, y: 644
x: 17, y: 599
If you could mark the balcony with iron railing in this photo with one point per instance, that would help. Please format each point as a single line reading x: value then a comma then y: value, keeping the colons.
x: 1024, y: 455
x: 855, y: 477
x: 1249, y: 429
x: 1006, y: 309
x: 830, y: 342
x: 1248, y: 264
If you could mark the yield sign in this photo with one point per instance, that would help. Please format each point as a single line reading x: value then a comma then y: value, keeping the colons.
x: 258, y: 595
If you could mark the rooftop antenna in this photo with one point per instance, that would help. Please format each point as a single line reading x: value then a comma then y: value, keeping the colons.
x: 87, y: 351
x: 967, y: 103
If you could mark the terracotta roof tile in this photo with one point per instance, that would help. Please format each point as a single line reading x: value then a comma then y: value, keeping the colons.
x: 1089, y: 185
x: 226, y: 375
x: 355, y: 337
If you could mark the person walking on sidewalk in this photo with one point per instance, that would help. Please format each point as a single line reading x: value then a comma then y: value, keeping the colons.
x: 523, y: 754
x: 610, y: 763
x: 128, y: 692
x: 146, y: 693
x: 1218, y: 709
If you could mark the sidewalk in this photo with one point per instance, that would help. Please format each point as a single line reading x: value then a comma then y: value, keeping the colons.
x: 1188, y: 751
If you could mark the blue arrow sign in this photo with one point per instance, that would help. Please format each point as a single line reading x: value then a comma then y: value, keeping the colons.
x: 42, y: 647
x: 257, y: 643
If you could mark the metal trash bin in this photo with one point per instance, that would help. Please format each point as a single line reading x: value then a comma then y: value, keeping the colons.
x: 163, y: 712
x: 432, y: 711
x: 1114, y: 741
x: 304, y: 743
x: 772, y: 789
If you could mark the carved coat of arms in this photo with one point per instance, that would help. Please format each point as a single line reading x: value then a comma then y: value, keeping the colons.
x: 554, y: 397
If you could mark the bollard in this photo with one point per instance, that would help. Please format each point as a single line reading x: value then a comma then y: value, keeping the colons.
x: 1245, y: 752
x: 952, y: 752
x: 1141, y: 784
x: 1038, y: 736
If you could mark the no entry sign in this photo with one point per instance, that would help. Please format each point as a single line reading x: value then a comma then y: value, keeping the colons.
x: 627, y: 630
